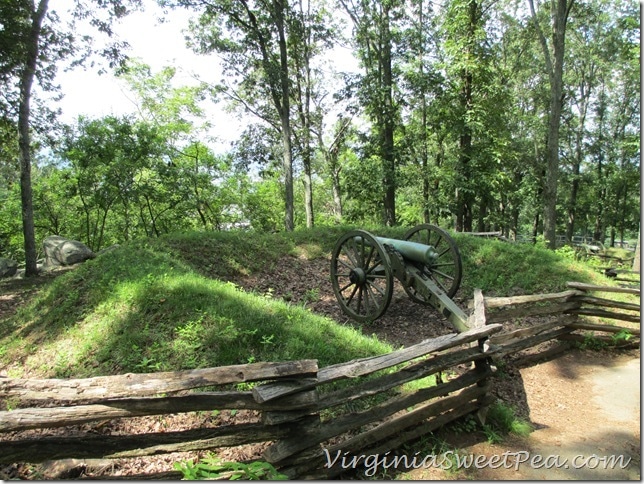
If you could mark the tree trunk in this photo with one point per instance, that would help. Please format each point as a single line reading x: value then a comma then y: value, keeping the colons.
x: 572, y: 207
x: 423, y: 107
x: 287, y: 155
x: 636, y: 260
x: 554, y: 64
x: 337, y: 198
x: 24, y: 139
x: 514, y: 223
x: 308, y: 195
x: 585, y: 90
x: 303, y: 77
x: 535, y: 227
x: 388, y: 156
x: 464, y: 216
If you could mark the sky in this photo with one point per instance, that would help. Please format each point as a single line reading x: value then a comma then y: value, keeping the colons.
x: 158, y: 45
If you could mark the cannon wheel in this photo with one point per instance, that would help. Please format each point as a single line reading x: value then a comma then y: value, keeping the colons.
x: 361, y: 276
x: 447, y: 271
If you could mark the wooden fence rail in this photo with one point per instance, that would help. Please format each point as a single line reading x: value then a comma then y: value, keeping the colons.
x: 561, y: 313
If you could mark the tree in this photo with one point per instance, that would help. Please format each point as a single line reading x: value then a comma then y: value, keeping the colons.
x: 117, y: 162
x: 376, y: 38
x: 252, y: 38
x: 31, y: 46
x: 331, y: 154
x: 554, y: 58
x: 27, y: 75
x: 309, y: 35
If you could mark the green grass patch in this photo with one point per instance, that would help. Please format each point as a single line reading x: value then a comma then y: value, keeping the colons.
x: 500, y: 268
x: 139, y: 309
x: 502, y: 420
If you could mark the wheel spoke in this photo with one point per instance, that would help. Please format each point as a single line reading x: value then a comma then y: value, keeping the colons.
x: 370, y: 293
x: 349, y: 256
x: 363, y: 260
x: 443, y: 274
x: 353, y: 293
x: 340, y: 276
x: 359, y: 305
x: 444, y: 264
x: 444, y: 252
x: 342, y: 289
x: 345, y: 264
x: 366, y: 300
x: 440, y: 284
x: 368, y: 261
x: 377, y: 288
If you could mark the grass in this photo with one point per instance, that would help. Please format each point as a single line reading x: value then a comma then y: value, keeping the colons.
x: 502, y: 420
x: 139, y: 309
x: 160, y: 304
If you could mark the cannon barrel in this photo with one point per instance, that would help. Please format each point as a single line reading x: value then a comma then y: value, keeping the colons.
x: 425, y: 254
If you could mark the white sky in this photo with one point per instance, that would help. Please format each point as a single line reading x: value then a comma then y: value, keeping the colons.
x: 158, y: 45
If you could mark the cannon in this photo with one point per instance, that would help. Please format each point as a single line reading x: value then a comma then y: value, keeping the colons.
x: 427, y: 263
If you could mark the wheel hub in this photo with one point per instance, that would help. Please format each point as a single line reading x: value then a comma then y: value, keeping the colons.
x: 357, y: 276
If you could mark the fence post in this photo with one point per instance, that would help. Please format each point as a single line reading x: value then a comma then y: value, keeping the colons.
x: 483, y: 365
x: 300, y: 422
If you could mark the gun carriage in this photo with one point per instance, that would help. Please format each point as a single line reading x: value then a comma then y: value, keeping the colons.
x: 427, y: 263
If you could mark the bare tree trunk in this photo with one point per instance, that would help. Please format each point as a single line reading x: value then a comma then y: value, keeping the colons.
x: 465, y: 199
x: 308, y: 195
x: 423, y: 107
x: 554, y: 64
x: 388, y: 126
x: 303, y: 76
x: 636, y: 261
x: 24, y: 139
x: 337, y: 198
x: 287, y: 155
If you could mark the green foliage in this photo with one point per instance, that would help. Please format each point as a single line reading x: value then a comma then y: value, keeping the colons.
x: 621, y: 337
x: 591, y: 342
x: 212, y: 467
x: 502, y: 419
x: 465, y: 425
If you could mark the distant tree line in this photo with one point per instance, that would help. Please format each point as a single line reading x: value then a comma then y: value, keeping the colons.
x: 516, y: 116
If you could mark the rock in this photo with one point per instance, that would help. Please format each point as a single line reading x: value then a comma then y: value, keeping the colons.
x: 60, y: 251
x: 8, y: 267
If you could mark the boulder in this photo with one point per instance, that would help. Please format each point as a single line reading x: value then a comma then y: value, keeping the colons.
x: 60, y: 251
x: 8, y: 267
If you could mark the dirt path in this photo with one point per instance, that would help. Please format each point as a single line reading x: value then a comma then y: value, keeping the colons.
x: 593, y: 417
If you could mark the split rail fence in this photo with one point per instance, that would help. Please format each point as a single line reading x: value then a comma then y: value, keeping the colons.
x: 291, y: 399
x: 306, y: 414
x: 558, y: 318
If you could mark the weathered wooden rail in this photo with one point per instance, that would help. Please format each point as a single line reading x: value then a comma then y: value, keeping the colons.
x: 290, y: 398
